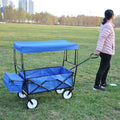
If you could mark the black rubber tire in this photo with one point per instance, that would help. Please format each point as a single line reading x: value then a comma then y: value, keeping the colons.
x: 59, y: 91
x: 32, y: 105
x: 67, y: 94
x: 21, y: 95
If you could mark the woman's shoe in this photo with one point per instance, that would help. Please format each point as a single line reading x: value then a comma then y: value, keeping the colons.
x: 104, y: 85
x: 98, y: 88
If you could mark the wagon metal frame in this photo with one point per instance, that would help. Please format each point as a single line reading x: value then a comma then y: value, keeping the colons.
x: 65, y: 59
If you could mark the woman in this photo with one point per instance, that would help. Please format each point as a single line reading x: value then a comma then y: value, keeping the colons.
x: 105, y: 48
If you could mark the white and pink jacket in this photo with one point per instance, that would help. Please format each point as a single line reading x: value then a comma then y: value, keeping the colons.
x: 106, y: 41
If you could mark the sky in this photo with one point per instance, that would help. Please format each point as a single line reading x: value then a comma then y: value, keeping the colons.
x: 75, y: 7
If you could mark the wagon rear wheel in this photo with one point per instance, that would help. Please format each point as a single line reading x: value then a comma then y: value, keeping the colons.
x: 21, y: 95
x: 60, y: 91
x: 31, y: 103
x: 67, y: 94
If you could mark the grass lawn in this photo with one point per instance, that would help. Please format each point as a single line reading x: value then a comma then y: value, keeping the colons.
x: 86, y: 104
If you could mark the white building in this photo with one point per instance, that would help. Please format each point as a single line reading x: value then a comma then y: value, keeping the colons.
x: 11, y: 4
x: 27, y: 5
x: 31, y: 6
x: 7, y: 3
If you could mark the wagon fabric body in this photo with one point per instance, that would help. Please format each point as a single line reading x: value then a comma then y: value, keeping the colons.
x: 48, y: 79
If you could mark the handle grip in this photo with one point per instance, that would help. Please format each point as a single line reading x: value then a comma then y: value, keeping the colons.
x: 93, y: 56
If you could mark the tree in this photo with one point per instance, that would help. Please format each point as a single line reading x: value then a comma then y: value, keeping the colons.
x: 117, y: 21
x: 12, y: 15
x: 33, y: 18
x: 63, y: 20
x: 9, y: 14
x: 21, y: 15
x: 28, y: 17
x: 38, y: 18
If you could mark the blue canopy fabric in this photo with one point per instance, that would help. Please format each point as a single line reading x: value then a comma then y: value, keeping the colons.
x: 44, y: 46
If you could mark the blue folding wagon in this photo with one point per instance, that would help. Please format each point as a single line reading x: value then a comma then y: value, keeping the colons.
x: 26, y: 82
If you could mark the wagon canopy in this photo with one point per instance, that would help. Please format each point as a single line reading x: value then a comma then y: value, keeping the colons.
x: 44, y: 46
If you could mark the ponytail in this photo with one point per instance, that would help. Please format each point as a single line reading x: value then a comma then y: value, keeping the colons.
x: 108, y: 15
x: 104, y: 20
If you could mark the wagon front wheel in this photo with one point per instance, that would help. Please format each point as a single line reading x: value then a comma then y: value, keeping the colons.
x: 60, y: 91
x: 21, y: 95
x: 31, y: 103
x: 67, y: 94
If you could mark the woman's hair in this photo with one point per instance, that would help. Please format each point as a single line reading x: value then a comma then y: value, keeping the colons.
x: 108, y: 15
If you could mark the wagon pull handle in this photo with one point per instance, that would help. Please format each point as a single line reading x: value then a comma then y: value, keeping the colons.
x: 92, y: 56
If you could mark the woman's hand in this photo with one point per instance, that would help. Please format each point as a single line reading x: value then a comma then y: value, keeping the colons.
x: 97, y: 52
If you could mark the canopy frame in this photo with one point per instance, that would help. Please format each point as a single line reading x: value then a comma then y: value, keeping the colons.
x: 65, y: 59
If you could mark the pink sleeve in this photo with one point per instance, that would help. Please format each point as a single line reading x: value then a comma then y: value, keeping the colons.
x: 103, y: 36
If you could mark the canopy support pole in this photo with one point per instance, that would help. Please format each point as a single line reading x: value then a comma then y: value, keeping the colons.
x: 22, y: 65
x: 65, y: 58
x: 15, y: 61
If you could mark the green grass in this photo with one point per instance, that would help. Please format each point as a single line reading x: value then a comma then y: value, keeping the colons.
x: 86, y: 104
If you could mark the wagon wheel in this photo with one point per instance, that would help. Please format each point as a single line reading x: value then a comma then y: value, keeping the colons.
x: 31, y: 103
x: 21, y: 95
x: 60, y: 91
x: 67, y: 94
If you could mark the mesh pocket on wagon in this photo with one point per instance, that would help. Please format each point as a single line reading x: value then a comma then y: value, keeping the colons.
x: 13, y: 82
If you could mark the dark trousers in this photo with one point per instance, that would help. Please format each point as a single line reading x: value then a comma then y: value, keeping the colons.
x: 103, y: 69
